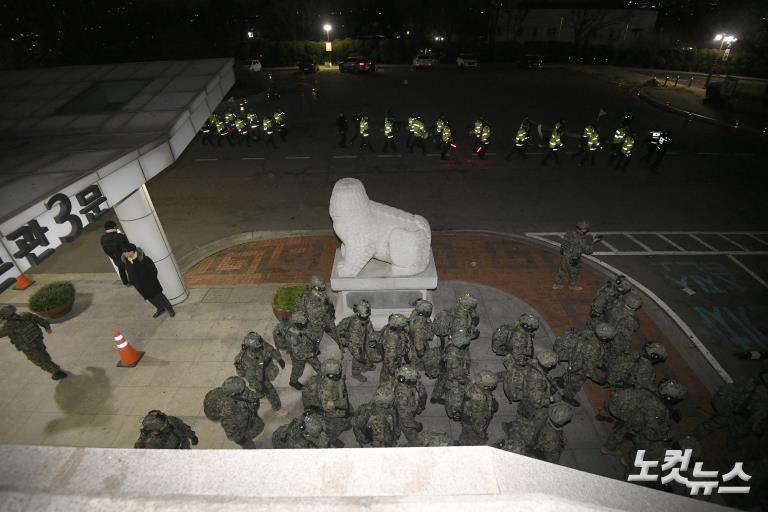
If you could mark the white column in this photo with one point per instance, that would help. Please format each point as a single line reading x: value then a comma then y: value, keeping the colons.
x: 139, y: 221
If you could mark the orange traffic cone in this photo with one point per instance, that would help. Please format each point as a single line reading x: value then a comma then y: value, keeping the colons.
x: 129, y: 356
x: 22, y: 282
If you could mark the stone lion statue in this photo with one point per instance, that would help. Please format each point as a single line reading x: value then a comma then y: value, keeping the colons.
x: 368, y: 229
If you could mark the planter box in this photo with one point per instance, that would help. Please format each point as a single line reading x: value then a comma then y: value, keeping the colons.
x: 58, y: 311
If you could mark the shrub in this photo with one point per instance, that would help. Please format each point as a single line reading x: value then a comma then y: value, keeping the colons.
x: 285, y: 298
x: 51, y: 295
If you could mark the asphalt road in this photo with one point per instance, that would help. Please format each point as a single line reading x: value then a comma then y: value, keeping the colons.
x: 711, y: 180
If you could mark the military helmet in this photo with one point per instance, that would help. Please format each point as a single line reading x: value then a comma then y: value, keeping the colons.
x: 672, y: 390
x: 331, y: 366
x: 154, y: 420
x: 298, y: 318
x: 424, y: 307
x: 467, y: 301
x: 547, y: 359
x: 459, y: 337
x: 528, y: 322
x: 560, y: 414
x: 233, y: 385
x: 311, y: 425
x: 623, y: 283
x: 384, y: 396
x: 253, y: 339
x: 317, y: 282
x: 6, y: 311
x: 633, y: 301
x: 397, y: 320
x: 487, y: 379
x: 407, y: 373
x: 655, y: 351
x: 605, y: 331
x: 583, y: 224
x: 363, y: 308
x: 690, y: 443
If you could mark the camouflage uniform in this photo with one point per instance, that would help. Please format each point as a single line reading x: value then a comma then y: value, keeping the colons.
x: 376, y: 423
x: 163, y: 432
x: 463, y: 315
x: 479, y: 408
x: 575, y: 243
x: 623, y: 318
x: 356, y: 334
x: 237, y: 408
x: 302, y: 348
x: 513, y: 378
x: 739, y: 407
x: 326, y: 393
x: 521, y: 433
x: 635, y: 368
x: 394, y: 343
x: 538, y: 388
x: 516, y: 339
x: 256, y: 364
x: 563, y: 345
x: 302, y: 433
x: 454, y: 374
x: 410, y: 401
x: 432, y: 439
x: 420, y: 331
x: 550, y: 441
x: 319, y: 310
x: 608, y: 296
x: 587, y: 355
x: 25, y: 334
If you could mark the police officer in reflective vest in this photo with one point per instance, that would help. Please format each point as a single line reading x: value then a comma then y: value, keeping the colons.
x: 555, y: 143
x: 446, y: 137
x: 419, y: 133
x: 241, y: 129
x: 365, y: 135
x: 521, y: 139
x: 485, y: 139
x: 389, y: 132
x: 626, y: 151
x: 209, y: 129
x: 253, y: 126
x: 619, y: 135
x: 281, y: 127
x: 658, y: 141
x: 222, y: 132
x: 590, y: 143
x: 409, y: 139
x: 268, y: 127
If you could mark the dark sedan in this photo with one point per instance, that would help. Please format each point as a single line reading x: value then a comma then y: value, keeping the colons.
x: 307, y: 66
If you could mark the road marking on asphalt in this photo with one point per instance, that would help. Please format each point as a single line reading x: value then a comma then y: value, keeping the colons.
x: 389, y: 156
x: 748, y: 270
x: 689, y: 291
x: 344, y: 156
x: 253, y: 158
x: 702, y: 242
x: 638, y: 242
x: 670, y: 242
x: 737, y: 244
x: 297, y: 157
x: 205, y: 159
x: 757, y: 238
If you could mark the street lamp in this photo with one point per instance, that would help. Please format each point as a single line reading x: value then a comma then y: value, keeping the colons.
x: 250, y: 34
x: 327, y: 27
x: 328, y: 48
x: 725, y: 40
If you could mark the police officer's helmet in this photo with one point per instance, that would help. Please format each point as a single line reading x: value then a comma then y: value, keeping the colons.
x: 7, y: 311
x: 487, y: 379
x: 317, y: 283
x: 459, y: 337
x: 671, y: 390
x: 331, y: 368
x: 633, y: 301
x: 407, y: 374
x: 253, y: 339
x: 233, y: 385
x: 623, y: 284
x: 528, y: 322
x: 154, y: 420
x: 655, y: 351
x: 397, y: 321
x: 423, y: 307
x: 467, y: 301
x: 363, y: 310
x: 605, y: 331
x: 311, y: 425
x: 560, y: 413
x: 384, y: 396
x: 298, y: 318
x: 582, y: 225
x: 547, y: 359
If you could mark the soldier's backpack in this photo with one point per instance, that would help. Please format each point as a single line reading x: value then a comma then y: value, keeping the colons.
x: 441, y: 326
x: 310, y: 396
x: 499, y: 338
x: 278, y: 335
x: 282, y: 435
x: 564, y: 344
x: 454, y: 399
x: 513, y: 381
x: 373, y: 349
x: 431, y: 362
x: 214, y: 402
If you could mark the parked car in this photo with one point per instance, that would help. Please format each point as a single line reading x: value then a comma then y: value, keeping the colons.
x: 466, y: 60
x: 307, y: 66
x: 255, y: 66
x: 423, y: 61
x: 357, y: 64
x: 531, y: 61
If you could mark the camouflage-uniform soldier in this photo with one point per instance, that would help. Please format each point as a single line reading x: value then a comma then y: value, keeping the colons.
x: 563, y: 345
x: 410, y: 401
x: 538, y: 388
x: 479, y: 408
x: 356, y: 333
x: 454, y: 374
x: 623, y: 319
x: 587, y: 355
x: 575, y: 243
x: 162, y: 432
x: 635, y: 368
x: 302, y: 348
x: 279, y: 336
x: 420, y: 331
x: 256, y: 364
x: 305, y: 432
x: 237, y: 408
x: 463, y: 315
x: 394, y: 342
x: 610, y: 294
x: 326, y: 392
x: 376, y: 423
x: 550, y: 439
x: 25, y: 334
x: 516, y: 339
x: 319, y: 310
x: 513, y: 378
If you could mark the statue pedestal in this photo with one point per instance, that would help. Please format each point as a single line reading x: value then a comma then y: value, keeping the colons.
x: 386, y: 293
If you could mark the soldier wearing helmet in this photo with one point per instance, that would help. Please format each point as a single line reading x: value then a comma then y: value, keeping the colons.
x: 256, y: 364
x: 454, y: 370
x: 478, y: 409
x: 356, y: 333
x: 160, y: 431
x: 538, y: 388
x: 376, y: 422
x: 633, y: 368
x: 575, y: 244
x: 623, y: 318
x: 395, y: 344
x: 516, y: 340
x: 305, y: 432
x: 420, y: 331
x: 321, y: 314
x: 326, y: 393
x: 462, y: 315
x: 610, y: 294
x: 302, y: 348
x: 550, y: 439
x: 587, y: 355
x: 237, y: 409
x: 25, y: 334
x: 410, y: 401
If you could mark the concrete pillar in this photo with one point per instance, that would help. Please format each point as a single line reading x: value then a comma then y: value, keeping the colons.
x: 139, y: 221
